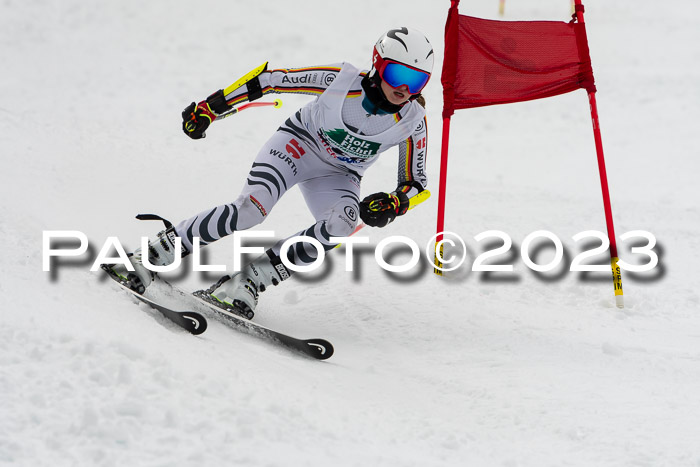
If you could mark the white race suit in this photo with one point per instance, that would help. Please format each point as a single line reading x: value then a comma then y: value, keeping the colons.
x: 324, y: 148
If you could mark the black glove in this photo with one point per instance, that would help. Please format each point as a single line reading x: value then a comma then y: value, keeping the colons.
x: 196, y: 118
x: 380, y: 209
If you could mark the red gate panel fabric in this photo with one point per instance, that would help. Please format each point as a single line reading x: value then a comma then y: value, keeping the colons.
x: 491, y: 62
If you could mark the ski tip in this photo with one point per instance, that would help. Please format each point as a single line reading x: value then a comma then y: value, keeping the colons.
x: 196, y: 323
x: 319, y: 348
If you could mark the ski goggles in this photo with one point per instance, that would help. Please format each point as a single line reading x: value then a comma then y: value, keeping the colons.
x: 397, y: 74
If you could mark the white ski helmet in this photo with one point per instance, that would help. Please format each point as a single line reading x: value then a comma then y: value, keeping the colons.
x: 403, y: 56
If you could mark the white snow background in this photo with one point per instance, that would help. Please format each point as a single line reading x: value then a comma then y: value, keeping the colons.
x: 518, y: 369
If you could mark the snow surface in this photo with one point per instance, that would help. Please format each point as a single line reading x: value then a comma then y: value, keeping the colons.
x: 468, y: 369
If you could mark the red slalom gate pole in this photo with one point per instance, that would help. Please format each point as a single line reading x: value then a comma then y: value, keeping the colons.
x: 616, y: 273
x: 447, y: 79
x: 441, y: 196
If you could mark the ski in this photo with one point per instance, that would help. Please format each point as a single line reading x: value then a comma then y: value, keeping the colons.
x: 195, y: 323
x: 190, y: 321
x: 319, y: 349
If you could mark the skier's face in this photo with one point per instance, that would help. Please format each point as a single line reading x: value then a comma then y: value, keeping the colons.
x: 396, y: 96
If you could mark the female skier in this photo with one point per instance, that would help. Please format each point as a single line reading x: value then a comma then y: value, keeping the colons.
x: 324, y: 148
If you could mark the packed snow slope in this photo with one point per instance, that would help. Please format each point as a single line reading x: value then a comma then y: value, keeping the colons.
x: 501, y: 369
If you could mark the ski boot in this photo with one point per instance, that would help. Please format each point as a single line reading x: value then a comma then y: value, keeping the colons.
x: 161, y: 252
x: 239, y: 292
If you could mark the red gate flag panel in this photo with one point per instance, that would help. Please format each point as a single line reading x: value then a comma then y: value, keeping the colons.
x: 491, y: 62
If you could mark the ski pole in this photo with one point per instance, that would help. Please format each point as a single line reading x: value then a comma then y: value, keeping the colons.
x: 277, y: 103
